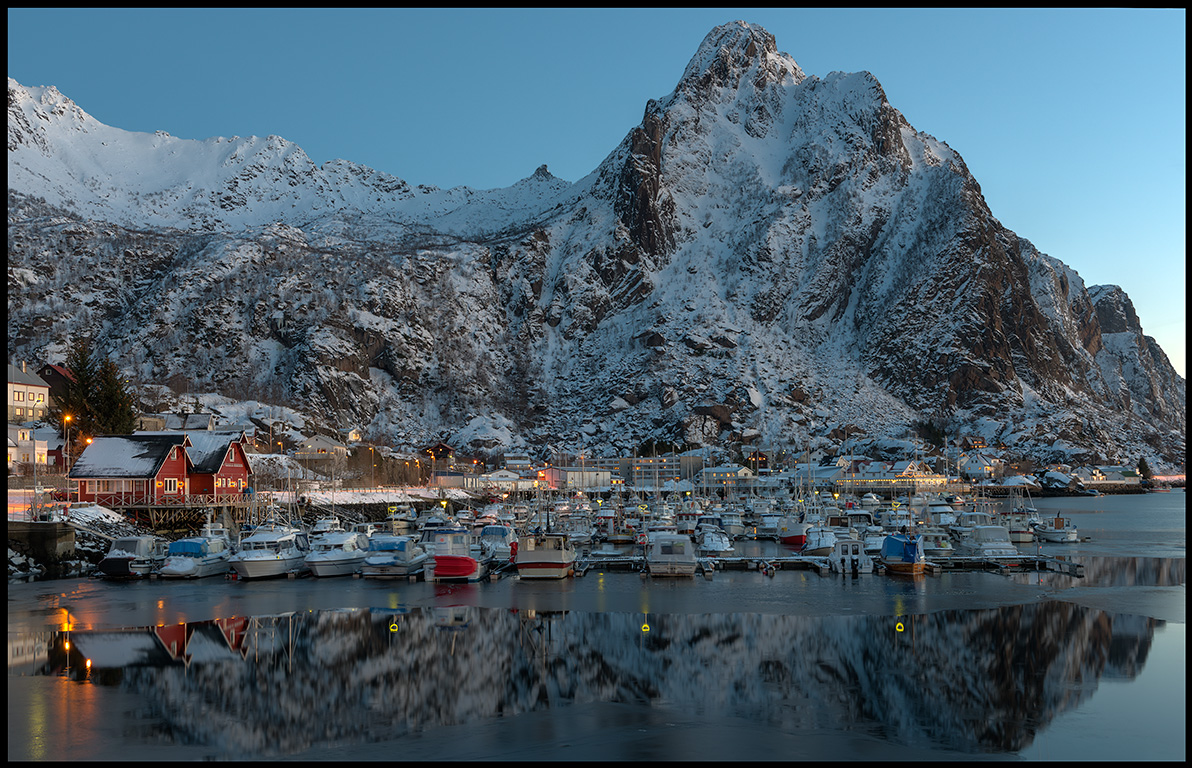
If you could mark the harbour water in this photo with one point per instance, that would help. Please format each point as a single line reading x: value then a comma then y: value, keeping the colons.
x: 959, y: 665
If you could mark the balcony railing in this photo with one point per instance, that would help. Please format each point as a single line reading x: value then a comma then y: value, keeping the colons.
x: 117, y: 499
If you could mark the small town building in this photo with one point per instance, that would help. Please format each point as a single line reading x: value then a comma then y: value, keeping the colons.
x: 28, y: 395
x: 121, y: 470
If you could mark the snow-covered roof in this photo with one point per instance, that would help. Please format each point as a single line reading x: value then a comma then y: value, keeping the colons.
x: 17, y: 376
x: 126, y: 455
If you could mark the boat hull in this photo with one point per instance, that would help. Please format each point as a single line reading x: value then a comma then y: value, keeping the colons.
x: 544, y: 569
x: 192, y: 568
x: 334, y: 567
x: 458, y: 568
x: 124, y: 568
x: 267, y: 568
x: 665, y: 569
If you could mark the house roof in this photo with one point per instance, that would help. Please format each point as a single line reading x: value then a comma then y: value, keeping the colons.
x: 17, y: 376
x: 207, y: 449
x: 61, y: 370
x: 126, y: 455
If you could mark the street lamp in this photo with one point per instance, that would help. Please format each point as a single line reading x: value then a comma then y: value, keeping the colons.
x: 66, y: 429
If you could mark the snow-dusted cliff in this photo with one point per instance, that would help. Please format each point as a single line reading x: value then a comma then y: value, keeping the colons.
x: 769, y: 256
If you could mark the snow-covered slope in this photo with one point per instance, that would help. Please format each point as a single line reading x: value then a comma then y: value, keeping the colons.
x: 769, y: 257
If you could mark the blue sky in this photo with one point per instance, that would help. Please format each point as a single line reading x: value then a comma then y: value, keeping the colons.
x: 1072, y: 121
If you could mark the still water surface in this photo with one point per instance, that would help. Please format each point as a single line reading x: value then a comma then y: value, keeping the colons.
x: 611, y: 666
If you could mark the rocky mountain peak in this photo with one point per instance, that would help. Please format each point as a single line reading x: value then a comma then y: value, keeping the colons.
x: 732, y: 51
x: 1115, y: 311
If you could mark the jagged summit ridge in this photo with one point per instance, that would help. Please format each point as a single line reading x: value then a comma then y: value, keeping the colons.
x: 736, y: 53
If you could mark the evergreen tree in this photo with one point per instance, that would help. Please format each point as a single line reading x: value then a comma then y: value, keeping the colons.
x: 97, y: 398
x: 78, y: 398
x: 1144, y: 469
x: 116, y: 413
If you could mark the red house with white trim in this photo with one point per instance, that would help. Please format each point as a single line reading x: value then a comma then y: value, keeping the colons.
x: 116, y: 470
x: 219, y: 465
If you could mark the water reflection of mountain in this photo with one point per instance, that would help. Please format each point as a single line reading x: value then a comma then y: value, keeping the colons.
x: 1114, y: 572
x: 983, y: 681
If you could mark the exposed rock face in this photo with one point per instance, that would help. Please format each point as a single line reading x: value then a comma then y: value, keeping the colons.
x: 778, y: 244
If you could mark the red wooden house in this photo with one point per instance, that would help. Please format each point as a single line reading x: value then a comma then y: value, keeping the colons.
x: 116, y: 470
x: 162, y: 468
x: 219, y: 465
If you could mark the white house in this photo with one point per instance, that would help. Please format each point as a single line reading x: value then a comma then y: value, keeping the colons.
x: 980, y: 466
x: 28, y: 395
x: 320, y: 447
x: 726, y: 476
x: 24, y: 447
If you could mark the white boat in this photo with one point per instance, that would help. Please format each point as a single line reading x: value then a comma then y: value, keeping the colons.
x: 456, y: 560
x: 939, y: 512
x: 196, y: 557
x: 870, y: 501
x: 791, y: 532
x: 819, y: 542
x: 326, y: 525
x: 732, y: 523
x: 393, y: 556
x: 401, y: 519
x: 1019, y: 526
x: 712, y: 541
x: 337, y: 553
x: 967, y: 521
x: 502, y: 538
x: 544, y: 556
x: 671, y: 554
x: 937, y: 542
x: 987, y: 541
x: 767, y: 526
x: 578, y: 528
x: 849, y: 556
x: 133, y: 557
x: 1056, y: 529
x: 271, y: 549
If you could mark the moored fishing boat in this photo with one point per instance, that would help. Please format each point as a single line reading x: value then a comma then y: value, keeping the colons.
x: 791, y: 532
x: 502, y: 539
x: 196, y: 557
x: 544, y: 556
x: 903, y: 554
x: 392, y: 557
x: 1056, y: 529
x: 670, y: 554
x: 133, y: 557
x: 337, y: 553
x: 849, y: 556
x: 712, y: 541
x: 987, y: 541
x: 819, y: 541
x: 272, y: 549
x: 455, y: 559
x: 937, y: 542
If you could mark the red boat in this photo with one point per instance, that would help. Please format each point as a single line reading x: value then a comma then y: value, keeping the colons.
x: 455, y: 559
x: 792, y: 533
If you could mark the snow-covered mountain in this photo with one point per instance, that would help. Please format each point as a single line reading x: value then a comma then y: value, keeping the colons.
x: 769, y: 257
